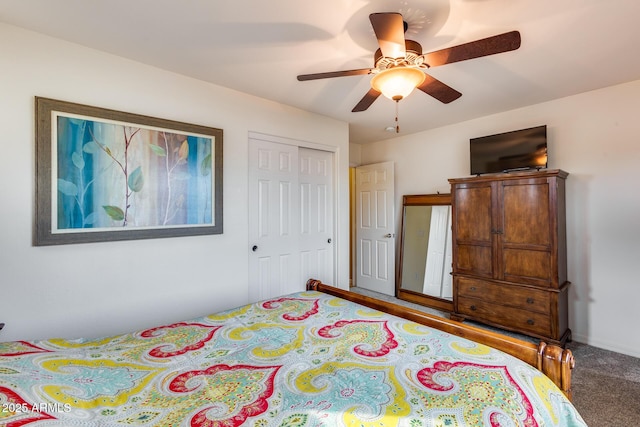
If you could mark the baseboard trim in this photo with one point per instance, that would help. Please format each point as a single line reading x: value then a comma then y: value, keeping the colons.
x: 606, y: 345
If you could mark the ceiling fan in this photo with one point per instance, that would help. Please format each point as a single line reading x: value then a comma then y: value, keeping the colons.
x: 399, y: 64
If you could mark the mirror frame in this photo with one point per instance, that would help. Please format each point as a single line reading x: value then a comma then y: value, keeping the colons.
x: 413, y: 296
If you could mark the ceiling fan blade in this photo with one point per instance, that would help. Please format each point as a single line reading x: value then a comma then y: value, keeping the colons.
x: 389, y: 29
x: 366, y: 100
x: 439, y: 90
x: 483, y: 47
x: 316, y: 76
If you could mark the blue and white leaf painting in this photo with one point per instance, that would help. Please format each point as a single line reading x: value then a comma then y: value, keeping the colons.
x: 114, y: 175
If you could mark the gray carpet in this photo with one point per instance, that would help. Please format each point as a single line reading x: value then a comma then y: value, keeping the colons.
x: 606, y: 385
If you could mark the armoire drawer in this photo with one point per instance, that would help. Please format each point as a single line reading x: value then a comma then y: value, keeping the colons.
x: 509, y: 317
x: 511, y: 295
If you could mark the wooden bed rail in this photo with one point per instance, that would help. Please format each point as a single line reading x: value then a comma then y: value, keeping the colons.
x: 554, y: 361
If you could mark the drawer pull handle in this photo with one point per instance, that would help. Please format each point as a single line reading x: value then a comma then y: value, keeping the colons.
x: 530, y: 321
x: 473, y: 307
x: 530, y: 301
x: 472, y: 289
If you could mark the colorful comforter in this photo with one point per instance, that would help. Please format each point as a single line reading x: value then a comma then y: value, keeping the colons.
x: 307, y: 359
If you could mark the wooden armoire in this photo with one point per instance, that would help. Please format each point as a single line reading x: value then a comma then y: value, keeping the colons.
x: 510, y: 252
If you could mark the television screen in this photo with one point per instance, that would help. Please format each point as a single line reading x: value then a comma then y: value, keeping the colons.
x: 504, y: 152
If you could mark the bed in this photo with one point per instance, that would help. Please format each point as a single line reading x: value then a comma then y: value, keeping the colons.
x: 322, y: 357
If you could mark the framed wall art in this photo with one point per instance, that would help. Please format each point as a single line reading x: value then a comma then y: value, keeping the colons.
x: 105, y: 175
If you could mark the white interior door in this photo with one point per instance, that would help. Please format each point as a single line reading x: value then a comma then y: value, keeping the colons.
x: 273, y: 219
x: 315, y: 178
x: 375, y: 228
x: 291, y: 217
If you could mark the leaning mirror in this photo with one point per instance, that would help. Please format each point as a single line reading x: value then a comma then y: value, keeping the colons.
x: 424, y: 265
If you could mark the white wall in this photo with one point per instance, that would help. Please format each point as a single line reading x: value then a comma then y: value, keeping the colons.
x: 105, y: 288
x: 594, y: 136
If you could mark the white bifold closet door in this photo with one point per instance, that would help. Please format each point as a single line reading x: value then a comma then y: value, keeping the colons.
x: 291, y: 218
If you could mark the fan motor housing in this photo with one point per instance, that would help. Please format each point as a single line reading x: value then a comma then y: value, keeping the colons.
x: 413, y: 49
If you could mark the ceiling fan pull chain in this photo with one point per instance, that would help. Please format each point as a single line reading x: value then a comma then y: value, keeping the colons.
x: 397, y: 125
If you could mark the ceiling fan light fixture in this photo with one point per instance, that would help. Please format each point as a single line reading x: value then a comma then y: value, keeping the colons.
x: 398, y: 82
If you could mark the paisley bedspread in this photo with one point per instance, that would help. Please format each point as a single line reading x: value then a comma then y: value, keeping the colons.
x: 306, y: 359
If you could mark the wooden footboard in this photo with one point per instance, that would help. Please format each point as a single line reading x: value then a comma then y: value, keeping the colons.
x: 554, y: 361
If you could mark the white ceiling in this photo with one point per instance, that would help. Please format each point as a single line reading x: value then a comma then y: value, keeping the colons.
x: 260, y: 46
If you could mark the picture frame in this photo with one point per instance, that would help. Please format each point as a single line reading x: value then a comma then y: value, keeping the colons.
x: 107, y: 175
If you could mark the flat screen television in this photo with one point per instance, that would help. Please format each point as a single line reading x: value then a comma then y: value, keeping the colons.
x: 517, y: 150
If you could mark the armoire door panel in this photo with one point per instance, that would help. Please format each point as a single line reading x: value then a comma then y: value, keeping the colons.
x: 475, y: 259
x: 526, y: 214
x: 473, y: 209
x: 529, y: 267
